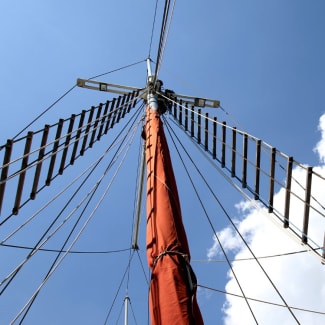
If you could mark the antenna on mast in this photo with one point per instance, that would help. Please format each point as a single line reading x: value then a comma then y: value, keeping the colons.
x: 149, y: 68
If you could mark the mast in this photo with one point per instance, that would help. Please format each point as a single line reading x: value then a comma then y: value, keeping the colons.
x: 172, y: 297
x: 173, y: 283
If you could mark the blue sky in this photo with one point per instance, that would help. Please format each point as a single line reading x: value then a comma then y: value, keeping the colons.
x: 264, y: 60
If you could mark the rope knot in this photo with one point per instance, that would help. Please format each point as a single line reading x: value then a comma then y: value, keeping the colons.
x: 167, y: 252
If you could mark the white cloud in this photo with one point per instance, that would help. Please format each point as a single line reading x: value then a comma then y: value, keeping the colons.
x: 230, y: 241
x: 320, y: 147
x: 300, y: 278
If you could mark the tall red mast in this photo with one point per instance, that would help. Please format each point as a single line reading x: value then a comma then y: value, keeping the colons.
x: 173, y: 283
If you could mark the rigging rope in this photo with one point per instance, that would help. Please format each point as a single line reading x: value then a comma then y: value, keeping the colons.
x: 142, y: 267
x: 66, y: 93
x: 128, y: 249
x: 236, y: 229
x: 58, y: 261
x: 119, y: 287
x: 257, y: 206
x: 262, y: 301
x: 132, y: 310
x: 280, y: 217
x: 152, y: 29
x: 122, y: 305
x: 264, y: 145
x: 45, y: 111
x: 81, y: 134
x: 206, y: 213
x: 42, y: 242
x: 91, y: 166
x: 120, y: 313
x: 117, y: 69
x: 163, y: 35
x: 64, y: 251
x: 38, y: 248
x: 85, y: 126
x: 35, y: 248
x: 277, y: 162
x: 240, y: 235
x: 252, y: 258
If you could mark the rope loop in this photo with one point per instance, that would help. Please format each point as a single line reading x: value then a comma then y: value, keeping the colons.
x: 167, y: 252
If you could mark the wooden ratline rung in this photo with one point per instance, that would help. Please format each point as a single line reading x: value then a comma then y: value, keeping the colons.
x: 22, y: 174
x: 110, y: 115
x: 195, y: 132
x: 95, y: 127
x: 272, y: 175
x: 85, y: 138
x: 175, y: 110
x: 93, y: 131
x: 40, y: 161
x: 130, y: 102
x: 120, y: 109
x: 5, y: 169
x: 75, y: 146
x: 199, y: 126
x: 245, y: 149
x: 186, y: 117
x: 288, y: 192
x: 214, y: 139
x: 117, y: 107
x: 54, y: 152
x: 192, y: 122
x: 133, y: 101
x: 258, y: 169
x: 233, y: 152
x: 102, y: 122
x: 223, y: 150
x: 66, y: 144
x: 127, y: 104
x: 307, y: 205
x: 136, y: 94
x: 180, y: 112
x: 206, y: 132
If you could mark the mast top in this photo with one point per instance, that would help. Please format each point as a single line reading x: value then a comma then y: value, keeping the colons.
x: 153, y: 88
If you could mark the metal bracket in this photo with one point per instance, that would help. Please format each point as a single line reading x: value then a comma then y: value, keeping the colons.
x: 122, y: 90
x: 103, y: 86
x: 199, y: 102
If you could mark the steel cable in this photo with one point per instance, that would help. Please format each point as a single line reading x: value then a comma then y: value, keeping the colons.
x: 236, y: 229
x: 206, y: 213
x: 261, y: 301
x: 67, y: 92
x: 42, y: 242
x: 58, y: 261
